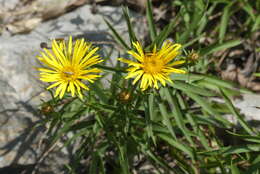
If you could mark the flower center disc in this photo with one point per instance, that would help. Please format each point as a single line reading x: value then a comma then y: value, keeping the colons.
x: 69, y: 73
x: 152, y: 64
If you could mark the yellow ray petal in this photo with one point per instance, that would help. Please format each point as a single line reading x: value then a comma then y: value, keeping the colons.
x: 179, y: 62
x: 63, y: 90
x: 54, y: 85
x: 139, y: 48
x: 70, y: 47
x: 72, y: 88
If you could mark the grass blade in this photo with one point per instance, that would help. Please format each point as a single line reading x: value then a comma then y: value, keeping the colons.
x: 224, y: 21
x: 149, y: 15
x: 117, y: 37
x: 129, y: 25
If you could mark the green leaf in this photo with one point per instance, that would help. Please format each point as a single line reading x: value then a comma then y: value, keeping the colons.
x: 249, y: 9
x: 165, y: 32
x: 192, y: 41
x: 198, y: 131
x: 192, y: 88
x: 129, y: 25
x: 151, y: 25
x: 110, y: 69
x: 178, y: 115
x: 95, y: 160
x: 166, y: 119
x: 234, y: 169
x: 219, y: 46
x: 123, y: 159
x: 145, y: 149
x: 117, y: 36
x: 61, y: 132
x: 197, y: 18
x: 256, y: 24
x: 174, y: 143
x: 240, y: 119
x: 224, y: 21
x: 208, y: 108
x: 75, y: 136
x: 193, y: 78
x: 157, y: 159
x: 254, y: 139
x: 150, y: 117
x: 103, y: 107
x: 99, y: 92
x: 201, y: 119
x: 254, y: 167
x: 187, y: 77
x: 232, y: 150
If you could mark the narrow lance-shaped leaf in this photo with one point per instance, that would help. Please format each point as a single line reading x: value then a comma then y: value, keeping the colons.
x: 240, y: 119
x: 148, y: 152
x: 192, y: 88
x: 219, y: 46
x: 166, y: 119
x: 178, y: 115
x: 99, y: 92
x: 165, y: 32
x: 178, y: 145
x: 234, y: 169
x: 208, y: 108
x: 232, y: 150
x: 123, y: 159
x: 150, y: 117
x: 250, y: 138
x: 256, y: 26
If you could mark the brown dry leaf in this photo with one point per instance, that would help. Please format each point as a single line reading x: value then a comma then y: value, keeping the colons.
x: 237, y: 76
x: 254, y: 86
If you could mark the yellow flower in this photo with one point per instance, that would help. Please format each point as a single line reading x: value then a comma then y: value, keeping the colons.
x: 153, y: 67
x: 67, y: 65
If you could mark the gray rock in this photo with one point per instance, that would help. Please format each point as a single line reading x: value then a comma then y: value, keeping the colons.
x: 249, y: 106
x: 8, y: 5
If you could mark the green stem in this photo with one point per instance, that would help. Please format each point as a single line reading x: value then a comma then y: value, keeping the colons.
x: 110, y: 69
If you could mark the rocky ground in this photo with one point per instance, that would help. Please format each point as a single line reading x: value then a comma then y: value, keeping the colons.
x: 20, y: 91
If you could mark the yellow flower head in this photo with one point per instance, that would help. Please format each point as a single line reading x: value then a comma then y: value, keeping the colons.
x: 154, y: 66
x: 67, y: 64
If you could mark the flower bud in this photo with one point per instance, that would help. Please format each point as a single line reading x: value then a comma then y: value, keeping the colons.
x: 124, y: 96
